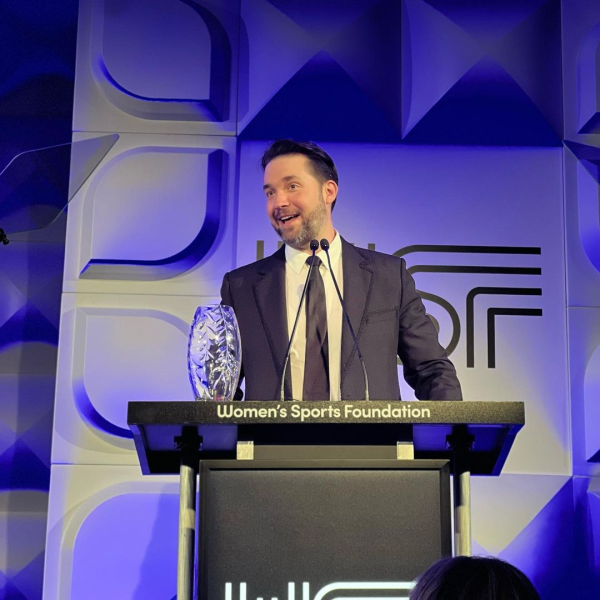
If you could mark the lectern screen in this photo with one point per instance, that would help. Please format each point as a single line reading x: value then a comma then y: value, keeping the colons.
x: 299, y: 533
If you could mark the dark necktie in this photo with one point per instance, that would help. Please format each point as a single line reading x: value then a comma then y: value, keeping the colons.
x: 316, y: 365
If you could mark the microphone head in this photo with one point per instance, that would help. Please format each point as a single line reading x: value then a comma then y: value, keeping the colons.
x: 314, y: 245
x: 324, y: 245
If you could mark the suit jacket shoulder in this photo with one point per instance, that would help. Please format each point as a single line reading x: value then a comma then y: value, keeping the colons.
x: 252, y: 272
x: 379, y: 259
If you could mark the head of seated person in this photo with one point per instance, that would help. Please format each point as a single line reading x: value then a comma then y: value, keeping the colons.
x: 473, y: 578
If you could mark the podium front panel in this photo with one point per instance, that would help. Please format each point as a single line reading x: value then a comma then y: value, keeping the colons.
x: 301, y: 530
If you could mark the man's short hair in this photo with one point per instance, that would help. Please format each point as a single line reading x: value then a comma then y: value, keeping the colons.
x: 322, y: 164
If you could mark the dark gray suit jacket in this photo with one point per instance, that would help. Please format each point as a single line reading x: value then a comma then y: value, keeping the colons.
x: 386, y: 313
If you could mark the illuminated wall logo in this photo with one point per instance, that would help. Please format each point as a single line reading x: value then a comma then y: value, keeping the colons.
x: 342, y: 590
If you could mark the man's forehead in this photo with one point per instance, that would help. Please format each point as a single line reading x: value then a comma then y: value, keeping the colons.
x: 287, y: 165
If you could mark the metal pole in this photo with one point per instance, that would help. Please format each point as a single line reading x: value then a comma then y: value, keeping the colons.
x: 188, y: 443
x: 462, y: 514
x: 461, y: 442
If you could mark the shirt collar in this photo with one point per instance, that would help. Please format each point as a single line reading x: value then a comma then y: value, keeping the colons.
x: 297, y: 258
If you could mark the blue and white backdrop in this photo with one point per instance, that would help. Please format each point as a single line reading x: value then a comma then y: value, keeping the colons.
x: 467, y: 138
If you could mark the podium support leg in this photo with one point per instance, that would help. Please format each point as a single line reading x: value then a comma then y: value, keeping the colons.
x: 462, y: 514
x: 461, y: 442
x: 188, y: 472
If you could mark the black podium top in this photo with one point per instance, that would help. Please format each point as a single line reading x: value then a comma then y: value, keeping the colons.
x: 157, y: 425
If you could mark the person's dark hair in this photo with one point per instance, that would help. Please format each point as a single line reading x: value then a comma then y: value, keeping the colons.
x: 473, y: 578
x: 322, y: 164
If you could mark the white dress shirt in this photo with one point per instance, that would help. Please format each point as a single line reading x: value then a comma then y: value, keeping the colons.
x: 296, y: 271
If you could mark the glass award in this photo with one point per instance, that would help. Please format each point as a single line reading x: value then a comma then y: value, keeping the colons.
x: 214, y: 353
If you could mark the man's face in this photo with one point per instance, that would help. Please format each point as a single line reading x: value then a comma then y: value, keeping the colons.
x: 296, y: 202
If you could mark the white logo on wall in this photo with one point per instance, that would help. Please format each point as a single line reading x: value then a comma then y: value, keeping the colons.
x: 335, y: 591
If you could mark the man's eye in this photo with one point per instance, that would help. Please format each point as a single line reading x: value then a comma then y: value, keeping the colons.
x: 293, y: 186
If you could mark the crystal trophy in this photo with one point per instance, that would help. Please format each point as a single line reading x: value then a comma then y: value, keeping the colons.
x: 214, y: 353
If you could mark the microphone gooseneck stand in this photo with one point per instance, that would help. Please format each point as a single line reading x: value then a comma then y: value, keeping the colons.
x: 314, y: 246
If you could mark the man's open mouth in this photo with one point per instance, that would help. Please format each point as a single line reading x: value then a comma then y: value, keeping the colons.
x: 286, y: 218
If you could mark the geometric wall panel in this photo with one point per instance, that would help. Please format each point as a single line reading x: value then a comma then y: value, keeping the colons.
x: 260, y: 75
x: 124, y: 343
x: 584, y: 364
x: 588, y: 180
x: 593, y: 497
x: 23, y: 515
x: 552, y: 550
x: 31, y: 269
x: 502, y: 507
x: 539, y: 524
x: 478, y: 79
x: 131, y: 250
x: 428, y: 34
x: 26, y: 413
x: 127, y: 51
x: 131, y: 37
x: 152, y: 215
x: 30, y: 284
x: 591, y: 394
x: 323, y: 77
x: 146, y: 527
x: 35, y: 66
x: 317, y: 113
x: 481, y: 229
x: 580, y: 40
x: 115, y: 349
x: 589, y: 82
x: 20, y: 285
x: 582, y: 191
x: 112, y: 533
x: 37, y: 59
x: 430, y: 75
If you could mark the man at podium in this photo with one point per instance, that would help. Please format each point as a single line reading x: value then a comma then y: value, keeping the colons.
x: 386, y: 313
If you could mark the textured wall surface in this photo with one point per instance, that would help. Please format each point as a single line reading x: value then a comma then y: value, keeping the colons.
x: 37, y: 72
x: 467, y: 140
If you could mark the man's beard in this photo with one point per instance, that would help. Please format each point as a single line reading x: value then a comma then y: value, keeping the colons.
x: 312, y: 224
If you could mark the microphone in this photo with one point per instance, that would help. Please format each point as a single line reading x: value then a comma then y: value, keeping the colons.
x: 325, y: 247
x: 314, y: 246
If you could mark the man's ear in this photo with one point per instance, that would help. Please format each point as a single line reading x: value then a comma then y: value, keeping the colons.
x: 330, y: 191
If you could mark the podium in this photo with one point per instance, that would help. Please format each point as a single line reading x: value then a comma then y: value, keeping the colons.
x: 320, y: 499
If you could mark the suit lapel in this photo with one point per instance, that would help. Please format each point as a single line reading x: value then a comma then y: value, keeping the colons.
x: 358, y: 284
x: 270, y: 295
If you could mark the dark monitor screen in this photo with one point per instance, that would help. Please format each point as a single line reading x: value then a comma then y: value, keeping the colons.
x: 320, y: 531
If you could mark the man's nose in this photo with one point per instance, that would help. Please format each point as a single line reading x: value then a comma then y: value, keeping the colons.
x: 281, y: 199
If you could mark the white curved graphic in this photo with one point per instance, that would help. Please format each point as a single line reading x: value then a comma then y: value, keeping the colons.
x: 371, y: 590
